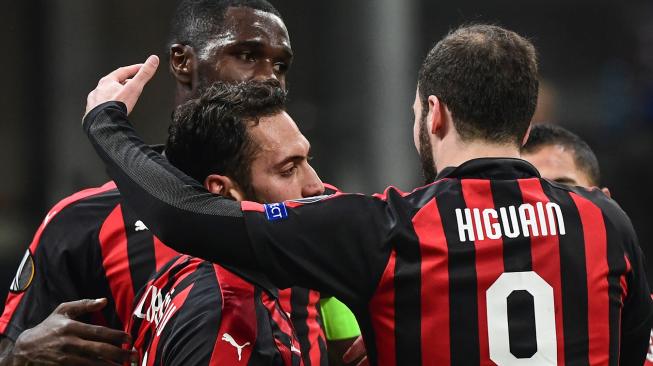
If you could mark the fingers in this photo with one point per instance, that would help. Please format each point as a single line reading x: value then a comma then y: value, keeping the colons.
x: 133, y: 88
x: 98, y: 350
x: 124, y: 85
x: 122, y: 73
x: 74, y: 309
x: 97, y: 333
x: 145, y: 72
x: 356, y: 350
x: 74, y: 360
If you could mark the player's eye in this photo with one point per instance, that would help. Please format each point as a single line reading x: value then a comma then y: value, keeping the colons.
x: 289, y: 172
x: 246, y: 56
x: 280, y: 67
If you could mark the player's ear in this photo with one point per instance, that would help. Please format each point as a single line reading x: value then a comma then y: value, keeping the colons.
x: 224, y: 186
x: 435, y: 116
x: 182, y: 63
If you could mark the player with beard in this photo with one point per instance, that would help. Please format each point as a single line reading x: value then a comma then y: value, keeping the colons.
x: 487, y: 263
x: 92, y: 246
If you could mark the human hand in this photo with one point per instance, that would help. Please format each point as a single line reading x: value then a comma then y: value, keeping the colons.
x: 61, y: 340
x: 124, y: 85
x: 355, y: 352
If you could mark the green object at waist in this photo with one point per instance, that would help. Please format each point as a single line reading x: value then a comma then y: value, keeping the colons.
x: 339, y: 322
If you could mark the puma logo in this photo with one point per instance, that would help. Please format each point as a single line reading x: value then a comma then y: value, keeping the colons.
x: 228, y: 338
x: 140, y: 226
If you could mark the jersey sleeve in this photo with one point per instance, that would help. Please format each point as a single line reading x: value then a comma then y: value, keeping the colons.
x: 51, y: 270
x: 323, y: 244
x: 637, y: 313
x: 338, y: 245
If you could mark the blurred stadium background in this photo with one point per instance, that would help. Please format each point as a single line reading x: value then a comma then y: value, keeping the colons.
x: 352, y: 86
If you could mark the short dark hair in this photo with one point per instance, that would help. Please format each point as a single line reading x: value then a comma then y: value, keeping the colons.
x: 209, y: 135
x: 487, y: 77
x: 196, y: 21
x: 543, y: 135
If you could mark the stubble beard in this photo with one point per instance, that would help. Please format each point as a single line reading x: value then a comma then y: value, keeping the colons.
x: 426, y: 153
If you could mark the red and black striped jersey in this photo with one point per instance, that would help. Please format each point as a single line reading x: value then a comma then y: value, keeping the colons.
x: 303, y: 307
x: 91, y: 245
x: 193, y: 312
x: 516, y: 269
x: 488, y: 265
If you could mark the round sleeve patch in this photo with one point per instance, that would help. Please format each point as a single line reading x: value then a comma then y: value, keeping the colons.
x: 24, y: 275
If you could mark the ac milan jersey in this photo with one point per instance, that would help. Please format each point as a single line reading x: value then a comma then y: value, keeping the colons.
x: 91, y: 245
x: 490, y: 264
x: 303, y: 307
x: 193, y: 312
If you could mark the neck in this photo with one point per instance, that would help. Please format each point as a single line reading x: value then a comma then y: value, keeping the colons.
x: 455, y: 153
x: 182, y: 95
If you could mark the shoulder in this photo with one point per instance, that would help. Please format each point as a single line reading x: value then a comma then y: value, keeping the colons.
x: 616, y: 222
x: 91, y: 201
x: 614, y: 216
x: 77, y: 215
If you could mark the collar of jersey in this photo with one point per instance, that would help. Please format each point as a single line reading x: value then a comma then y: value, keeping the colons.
x: 491, y: 168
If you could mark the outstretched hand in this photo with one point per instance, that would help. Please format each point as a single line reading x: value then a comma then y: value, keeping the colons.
x: 123, y: 85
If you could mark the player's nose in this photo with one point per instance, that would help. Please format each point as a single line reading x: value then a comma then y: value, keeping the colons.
x: 313, y: 186
x: 265, y: 71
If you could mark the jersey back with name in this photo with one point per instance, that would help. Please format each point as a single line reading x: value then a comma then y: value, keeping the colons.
x: 504, y: 272
x: 490, y: 264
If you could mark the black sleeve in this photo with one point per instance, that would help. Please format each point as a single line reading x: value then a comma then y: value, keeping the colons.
x: 53, y: 270
x: 637, y: 314
x: 175, y: 207
x: 338, y: 245
x: 637, y: 311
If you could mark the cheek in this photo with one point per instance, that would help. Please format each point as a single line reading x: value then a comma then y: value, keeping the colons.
x: 233, y: 70
x: 275, y: 189
x: 416, y: 134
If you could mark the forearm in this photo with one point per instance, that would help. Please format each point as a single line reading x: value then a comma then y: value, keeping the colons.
x: 175, y: 207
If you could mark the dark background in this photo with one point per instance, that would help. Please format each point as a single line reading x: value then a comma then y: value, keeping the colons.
x: 352, y: 86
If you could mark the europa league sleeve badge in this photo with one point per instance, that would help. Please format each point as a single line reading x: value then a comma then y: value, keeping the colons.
x: 24, y: 275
